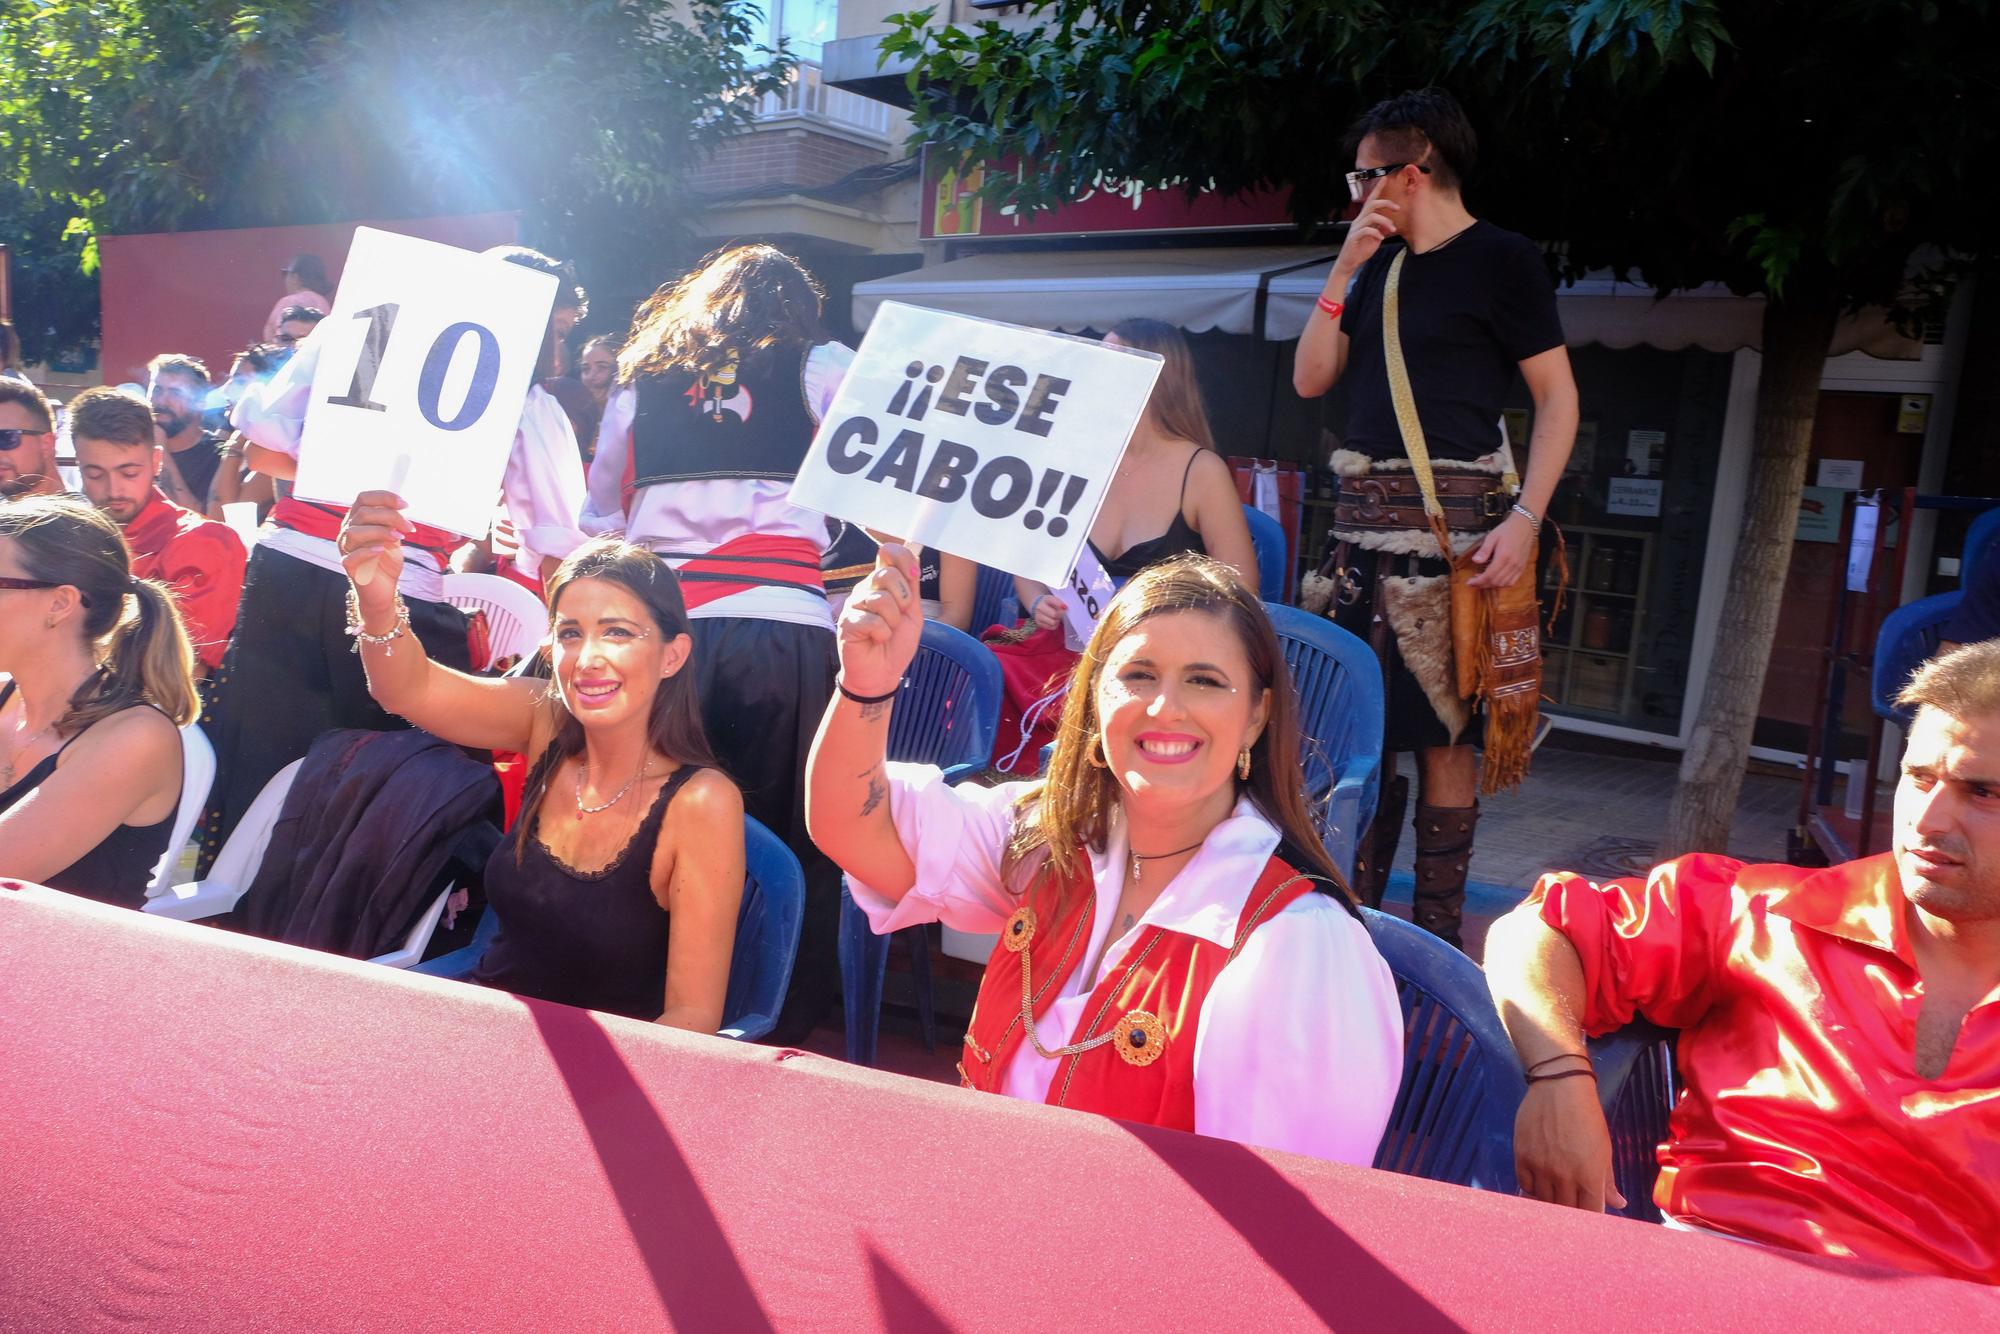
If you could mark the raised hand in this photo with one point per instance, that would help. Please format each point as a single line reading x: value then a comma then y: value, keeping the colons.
x: 880, y: 627
x: 1372, y: 226
x: 371, y: 547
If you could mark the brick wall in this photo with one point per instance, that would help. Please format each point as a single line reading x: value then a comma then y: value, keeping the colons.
x: 779, y: 155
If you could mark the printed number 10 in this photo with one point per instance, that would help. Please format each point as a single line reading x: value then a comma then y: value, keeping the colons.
x: 430, y: 381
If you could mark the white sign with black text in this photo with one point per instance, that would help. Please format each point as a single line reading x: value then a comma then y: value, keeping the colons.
x: 987, y: 440
x: 424, y: 365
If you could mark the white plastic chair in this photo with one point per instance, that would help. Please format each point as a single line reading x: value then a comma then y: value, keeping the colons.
x: 236, y: 867
x: 516, y: 620
x: 197, y: 777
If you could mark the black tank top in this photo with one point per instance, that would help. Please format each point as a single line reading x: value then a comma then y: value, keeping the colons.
x: 118, y: 869
x: 1179, y: 539
x: 593, y: 939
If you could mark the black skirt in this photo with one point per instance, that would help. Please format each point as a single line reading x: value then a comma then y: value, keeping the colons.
x: 292, y: 673
x: 764, y: 687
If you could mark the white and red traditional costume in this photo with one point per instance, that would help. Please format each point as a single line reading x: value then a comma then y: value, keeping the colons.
x: 1248, y: 1002
x: 699, y: 468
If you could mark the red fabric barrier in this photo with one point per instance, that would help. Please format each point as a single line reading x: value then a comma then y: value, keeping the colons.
x: 202, y: 1130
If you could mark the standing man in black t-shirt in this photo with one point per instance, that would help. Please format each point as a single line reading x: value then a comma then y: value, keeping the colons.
x: 1476, y: 307
x: 178, y: 387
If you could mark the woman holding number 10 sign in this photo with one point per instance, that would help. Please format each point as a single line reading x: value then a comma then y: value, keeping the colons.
x: 291, y: 673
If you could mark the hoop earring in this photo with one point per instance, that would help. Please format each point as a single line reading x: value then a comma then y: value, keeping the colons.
x: 1243, y: 765
x: 1093, y: 754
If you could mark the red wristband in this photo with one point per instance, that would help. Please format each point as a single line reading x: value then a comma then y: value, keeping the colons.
x: 1331, y: 309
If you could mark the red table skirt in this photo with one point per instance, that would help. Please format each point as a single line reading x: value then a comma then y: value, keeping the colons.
x: 204, y: 1130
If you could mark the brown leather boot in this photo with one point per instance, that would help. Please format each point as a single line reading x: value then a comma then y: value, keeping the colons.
x: 1375, y: 851
x: 1444, y: 855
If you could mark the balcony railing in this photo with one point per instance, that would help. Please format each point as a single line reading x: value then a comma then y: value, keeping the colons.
x: 806, y: 98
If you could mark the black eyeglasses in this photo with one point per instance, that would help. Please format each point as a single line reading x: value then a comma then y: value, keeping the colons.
x: 1358, y: 181
x: 12, y: 436
x: 8, y: 581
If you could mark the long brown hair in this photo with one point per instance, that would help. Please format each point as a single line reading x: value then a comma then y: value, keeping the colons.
x: 1175, y: 406
x: 741, y: 301
x: 142, y: 650
x: 673, y: 727
x: 1071, y: 808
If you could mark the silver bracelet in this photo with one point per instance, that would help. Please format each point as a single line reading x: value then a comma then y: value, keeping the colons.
x: 360, y: 632
x: 1534, y: 519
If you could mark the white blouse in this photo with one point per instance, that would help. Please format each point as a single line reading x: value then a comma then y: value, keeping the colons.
x: 542, y: 491
x: 699, y: 516
x: 1300, y: 1042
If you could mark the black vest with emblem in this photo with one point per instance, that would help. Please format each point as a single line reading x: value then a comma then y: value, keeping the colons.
x: 749, y: 423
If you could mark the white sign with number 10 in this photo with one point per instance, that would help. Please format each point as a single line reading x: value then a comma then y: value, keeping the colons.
x: 423, y: 367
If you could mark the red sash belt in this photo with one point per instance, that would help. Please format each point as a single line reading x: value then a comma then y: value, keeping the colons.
x: 755, y: 560
x: 323, y: 521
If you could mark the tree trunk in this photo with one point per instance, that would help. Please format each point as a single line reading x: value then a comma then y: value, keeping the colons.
x: 1798, y: 330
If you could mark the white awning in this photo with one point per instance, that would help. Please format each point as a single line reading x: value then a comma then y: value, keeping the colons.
x: 1618, y: 315
x: 1195, y: 288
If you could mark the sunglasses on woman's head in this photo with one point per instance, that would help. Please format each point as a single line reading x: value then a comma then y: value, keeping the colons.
x: 11, y: 436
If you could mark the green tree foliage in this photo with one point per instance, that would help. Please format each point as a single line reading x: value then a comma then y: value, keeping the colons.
x: 236, y: 113
x: 54, y: 300
x: 1823, y: 153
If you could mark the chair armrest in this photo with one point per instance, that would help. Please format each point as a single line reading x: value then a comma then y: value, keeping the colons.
x: 195, y: 900
x: 960, y: 773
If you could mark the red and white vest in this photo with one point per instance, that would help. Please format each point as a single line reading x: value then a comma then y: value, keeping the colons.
x: 1150, y: 1004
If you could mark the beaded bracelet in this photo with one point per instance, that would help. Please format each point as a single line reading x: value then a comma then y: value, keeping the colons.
x: 360, y: 632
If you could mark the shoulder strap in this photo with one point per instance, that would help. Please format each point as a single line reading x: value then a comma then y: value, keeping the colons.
x: 1188, y: 472
x: 1407, y: 422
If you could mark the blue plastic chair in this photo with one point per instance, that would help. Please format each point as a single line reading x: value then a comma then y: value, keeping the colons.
x: 990, y: 593
x: 767, y: 937
x: 1339, y: 685
x: 1635, y: 1084
x: 946, y: 714
x: 1462, y: 1082
x: 1979, y: 544
x: 1909, y: 636
x: 1267, y: 535
x: 1454, y: 1114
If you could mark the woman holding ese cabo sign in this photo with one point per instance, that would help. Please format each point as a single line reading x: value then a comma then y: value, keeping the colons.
x: 1176, y: 948
x: 290, y: 674
x: 721, y: 386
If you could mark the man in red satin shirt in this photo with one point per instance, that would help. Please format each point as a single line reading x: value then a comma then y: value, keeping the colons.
x: 1839, y: 1028
x: 201, y: 560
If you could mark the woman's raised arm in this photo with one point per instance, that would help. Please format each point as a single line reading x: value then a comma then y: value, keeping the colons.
x: 465, y: 710
x: 847, y: 792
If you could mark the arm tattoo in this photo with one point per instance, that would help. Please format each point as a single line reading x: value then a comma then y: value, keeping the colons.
x: 877, y: 789
x: 870, y: 712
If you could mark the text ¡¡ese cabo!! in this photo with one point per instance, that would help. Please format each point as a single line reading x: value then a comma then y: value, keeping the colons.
x: 928, y: 464
x: 989, y: 441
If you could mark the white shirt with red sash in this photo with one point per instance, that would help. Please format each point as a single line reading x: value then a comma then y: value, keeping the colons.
x: 702, y: 516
